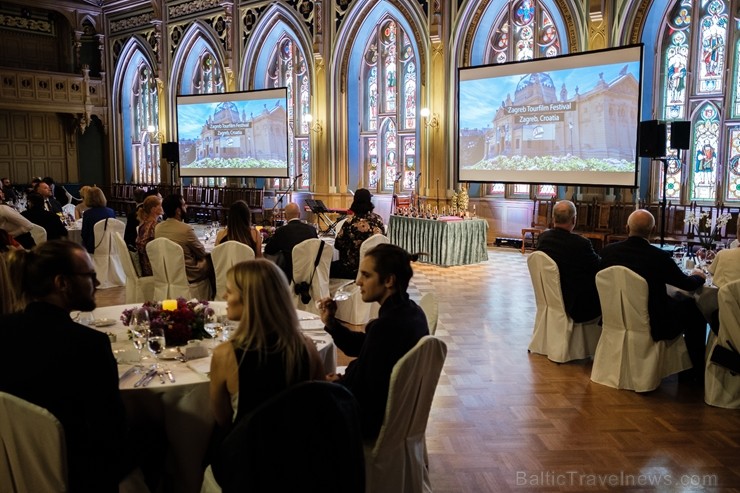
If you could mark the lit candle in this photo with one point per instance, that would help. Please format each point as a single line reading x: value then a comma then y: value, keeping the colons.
x: 169, y: 305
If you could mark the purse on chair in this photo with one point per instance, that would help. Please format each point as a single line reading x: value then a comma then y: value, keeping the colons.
x: 303, y: 289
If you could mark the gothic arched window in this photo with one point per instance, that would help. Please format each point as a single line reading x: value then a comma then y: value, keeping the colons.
x: 389, y: 103
x: 144, y: 116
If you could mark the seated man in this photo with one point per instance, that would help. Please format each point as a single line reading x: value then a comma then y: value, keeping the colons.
x: 197, y: 261
x: 10, y: 194
x: 59, y: 277
x: 577, y: 263
x: 669, y: 317
x: 384, y: 277
x: 50, y: 203
x: 288, y: 236
x: 36, y: 213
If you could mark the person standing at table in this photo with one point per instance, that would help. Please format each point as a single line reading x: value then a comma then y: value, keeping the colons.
x: 361, y: 225
x: 669, y: 317
x: 577, y: 263
x: 36, y: 213
x: 286, y: 237
x: 97, y: 211
x: 239, y: 228
x: 59, y: 277
x: 385, y: 272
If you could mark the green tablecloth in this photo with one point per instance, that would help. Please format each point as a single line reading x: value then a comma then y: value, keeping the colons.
x: 447, y: 243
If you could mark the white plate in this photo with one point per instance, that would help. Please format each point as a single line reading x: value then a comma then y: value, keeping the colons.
x: 103, y: 322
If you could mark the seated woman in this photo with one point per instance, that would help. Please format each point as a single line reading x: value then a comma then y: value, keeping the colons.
x: 97, y: 211
x: 81, y: 207
x: 148, y: 216
x: 267, y: 352
x: 239, y: 228
x: 357, y: 228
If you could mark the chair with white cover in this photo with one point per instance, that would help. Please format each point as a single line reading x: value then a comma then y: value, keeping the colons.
x: 627, y: 357
x: 722, y: 386
x: 33, y: 455
x: 138, y: 288
x: 224, y: 256
x: 106, y: 259
x: 168, y: 266
x: 353, y: 310
x: 555, y: 334
x: 38, y: 234
x: 395, y: 462
x: 68, y: 210
x: 304, y: 258
x: 429, y: 306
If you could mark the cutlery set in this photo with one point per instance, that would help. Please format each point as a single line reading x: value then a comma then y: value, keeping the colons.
x: 149, y: 376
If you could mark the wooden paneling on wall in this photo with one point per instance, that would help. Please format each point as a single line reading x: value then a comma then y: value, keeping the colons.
x: 32, y: 144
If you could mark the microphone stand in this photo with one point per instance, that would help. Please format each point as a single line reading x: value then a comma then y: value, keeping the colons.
x: 279, y: 201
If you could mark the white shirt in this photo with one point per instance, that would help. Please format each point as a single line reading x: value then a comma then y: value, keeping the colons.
x: 726, y: 267
x: 13, y: 222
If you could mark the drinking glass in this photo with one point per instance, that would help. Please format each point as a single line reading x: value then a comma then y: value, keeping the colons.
x: 214, y: 327
x: 139, y: 327
x: 155, y: 342
x: 85, y: 318
x: 342, y: 293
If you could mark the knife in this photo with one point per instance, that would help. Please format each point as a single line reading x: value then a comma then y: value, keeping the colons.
x: 147, y: 375
x: 170, y: 375
x: 149, y: 378
x: 127, y: 373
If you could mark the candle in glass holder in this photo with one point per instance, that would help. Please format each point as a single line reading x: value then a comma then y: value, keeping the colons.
x: 169, y: 305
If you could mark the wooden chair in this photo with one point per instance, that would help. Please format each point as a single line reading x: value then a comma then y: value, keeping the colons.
x: 541, y: 220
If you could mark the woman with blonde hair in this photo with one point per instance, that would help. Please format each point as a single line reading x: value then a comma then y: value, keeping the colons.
x: 81, y: 207
x: 97, y: 211
x: 267, y: 353
x: 148, y: 216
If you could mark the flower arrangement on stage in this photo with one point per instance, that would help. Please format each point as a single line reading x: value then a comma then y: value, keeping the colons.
x: 462, y: 200
x: 700, y: 225
x: 180, y: 324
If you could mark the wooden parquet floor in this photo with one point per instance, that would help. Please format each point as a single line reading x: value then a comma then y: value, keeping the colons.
x: 505, y: 420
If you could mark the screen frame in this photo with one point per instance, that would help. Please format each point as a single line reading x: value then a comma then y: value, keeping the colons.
x: 620, y: 54
x: 247, y: 95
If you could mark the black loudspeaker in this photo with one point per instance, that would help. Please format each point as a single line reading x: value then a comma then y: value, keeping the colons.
x: 651, y: 139
x: 171, y: 152
x: 680, y: 135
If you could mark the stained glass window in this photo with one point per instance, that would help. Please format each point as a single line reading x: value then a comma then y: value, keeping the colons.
x: 288, y: 68
x: 389, y: 102
x: 145, y: 115
x: 523, y: 30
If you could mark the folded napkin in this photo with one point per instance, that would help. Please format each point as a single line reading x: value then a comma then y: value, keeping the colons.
x: 311, y: 324
x: 195, y: 352
x: 202, y: 365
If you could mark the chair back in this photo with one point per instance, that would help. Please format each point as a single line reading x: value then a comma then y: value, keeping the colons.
x: 371, y: 243
x: 555, y: 334
x: 627, y: 357
x: 168, y: 269
x: 338, y: 226
x: 304, y: 257
x: 38, y: 234
x: 106, y: 259
x: 138, y: 289
x: 284, y: 444
x: 394, y: 463
x: 224, y: 256
x: 33, y: 455
x: 428, y: 304
x: 722, y: 386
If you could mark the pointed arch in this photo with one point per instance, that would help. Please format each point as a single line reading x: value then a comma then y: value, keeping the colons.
x: 277, y: 55
x: 136, y: 104
x: 404, y: 38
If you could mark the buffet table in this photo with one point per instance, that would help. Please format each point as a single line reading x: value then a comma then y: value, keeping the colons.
x: 446, y: 242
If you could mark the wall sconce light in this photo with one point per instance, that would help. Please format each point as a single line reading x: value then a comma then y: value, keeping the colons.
x: 432, y: 122
x: 154, y: 134
x: 313, y: 125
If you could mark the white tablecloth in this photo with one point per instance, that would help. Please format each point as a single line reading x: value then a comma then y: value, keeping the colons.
x: 183, y: 408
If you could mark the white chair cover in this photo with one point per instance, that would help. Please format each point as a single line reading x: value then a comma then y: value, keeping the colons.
x: 224, y: 256
x: 555, y: 334
x: 627, y: 357
x: 168, y: 267
x: 354, y: 310
x: 721, y: 387
x: 38, y: 234
x: 395, y: 462
x: 138, y: 289
x: 428, y: 304
x: 106, y: 259
x: 338, y: 226
x: 304, y: 257
x: 69, y: 209
x: 33, y: 455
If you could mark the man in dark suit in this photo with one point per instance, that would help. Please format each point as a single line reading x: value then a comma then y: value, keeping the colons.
x: 71, y: 371
x: 50, y: 203
x: 669, y: 317
x: 577, y: 262
x: 36, y: 213
x: 285, y: 238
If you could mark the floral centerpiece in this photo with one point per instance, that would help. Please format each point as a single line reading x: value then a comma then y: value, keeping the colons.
x: 462, y: 200
x: 702, y: 229
x: 180, y: 325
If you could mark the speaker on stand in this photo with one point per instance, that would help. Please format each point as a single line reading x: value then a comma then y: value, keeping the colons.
x: 171, y: 152
x: 651, y: 142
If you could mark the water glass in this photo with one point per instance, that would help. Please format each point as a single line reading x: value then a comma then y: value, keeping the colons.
x: 156, y: 343
x: 140, y: 328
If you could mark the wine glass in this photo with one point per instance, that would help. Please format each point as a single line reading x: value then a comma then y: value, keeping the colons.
x: 342, y: 293
x: 213, y: 326
x: 139, y: 327
x: 155, y: 342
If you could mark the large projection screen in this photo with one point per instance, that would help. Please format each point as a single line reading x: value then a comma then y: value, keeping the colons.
x: 569, y: 120
x: 234, y: 134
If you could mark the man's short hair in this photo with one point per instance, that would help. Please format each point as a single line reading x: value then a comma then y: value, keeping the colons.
x: 35, y: 200
x: 44, y: 263
x: 563, y: 212
x: 170, y: 204
x: 393, y: 260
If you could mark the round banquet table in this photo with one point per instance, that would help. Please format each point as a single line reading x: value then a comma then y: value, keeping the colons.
x: 182, y: 409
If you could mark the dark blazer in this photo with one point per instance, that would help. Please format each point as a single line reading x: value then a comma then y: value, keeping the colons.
x: 53, y: 205
x: 72, y: 373
x: 129, y: 233
x: 47, y: 220
x: 658, y: 269
x: 578, y: 264
x: 89, y: 218
x: 285, y: 238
